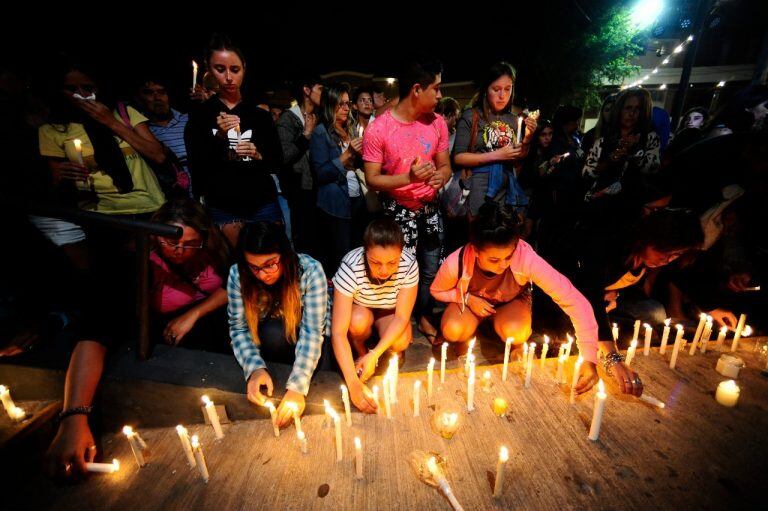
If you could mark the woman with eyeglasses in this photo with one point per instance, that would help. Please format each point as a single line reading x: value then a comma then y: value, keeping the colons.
x: 278, y: 312
x: 334, y: 153
x: 187, y: 293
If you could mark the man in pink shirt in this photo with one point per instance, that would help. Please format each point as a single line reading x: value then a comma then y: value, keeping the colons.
x: 406, y: 159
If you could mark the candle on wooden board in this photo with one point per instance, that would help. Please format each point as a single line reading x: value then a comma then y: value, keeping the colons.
x: 699, y: 328
x: 647, y: 341
x: 544, y: 349
x: 704, y: 342
x: 529, y: 366
x: 631, y: 351
x: 385, y: 385
x: 294, y: 407
x: 507, y: 349
x: 597, y: 414
x: 560, y: 378
x: 575, y: 380
x: 197, y: 449
x: 135, y: 446
x: 568, y: 346
x: 636, y: 330
x: 103, y: 468
x: 375, y: 391
x: 394, y: 369
x: 499, y: 483
x: 185, y: 445
x: 302, y: 438
x: 273, y: 416
x: 721, y: 337
x: 676, y: 347
x: 345, y: 400
x: 727, y: 393
x: 337, y: 427
x: 471, y: 389
x: 213, y: 416
x: 430, y: 376
x: 737, y: 333
x: 358, y: 458
x: 665, y: 336
x: 443, y: 356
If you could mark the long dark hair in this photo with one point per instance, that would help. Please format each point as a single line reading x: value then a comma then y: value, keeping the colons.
x: 329, y: 102
x: 284, y: 298
x: 222, y: 42
x: 190, y: 213
x: 495, y: 72
x: 645, y: 119
x: 666, y: 230
x: 494, y: 225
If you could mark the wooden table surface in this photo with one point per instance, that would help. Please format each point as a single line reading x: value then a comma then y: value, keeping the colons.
x: 694, y: 454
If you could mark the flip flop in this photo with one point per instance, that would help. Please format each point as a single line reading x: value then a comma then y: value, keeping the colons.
x: 432, y: 338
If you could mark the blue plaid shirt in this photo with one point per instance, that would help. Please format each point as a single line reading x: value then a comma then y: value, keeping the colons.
x: 315, y: 315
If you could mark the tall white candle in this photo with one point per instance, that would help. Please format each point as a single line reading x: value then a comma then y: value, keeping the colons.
x: 699, y: 328
x: 575, y: 380
x: 387, y: 404
x: 345, y: 399
x: 471, y: 389
x: 337, y: 427
x: 273, y: 417
x: 648, y: 333
x: 487, y: 381
x: 302, y: 437
x: 78, y: 150
x: 706, y: 335
x: 416, y: 397
x: 294, y: 407
x: 652, y: 400
x: 560, y: 364
x: 597, y: 414
x: 199, y: 458
x: 519, y: 133
x: 194, y: 74
x: 185, y: 445
x: 636, y: 330
x: 615, y: 332
x: 470, y: 356
x: 394, y: 368
x: 529, y: 364
x: 544, y: 349
x: 443, y: 356
x: 737, y: 334
x: 213, y: 416
x: 358, y: 458
x: 721, y: 337
x: 676, y: 347
x: 631, y: 351
x: 104, y: 468
x: 507, y: 349
x: 727, y: 393
x: 664, y: 336
x: 430, y: 376
x: 135, y: 446
x: 568, y: 346
x: 499, y: 483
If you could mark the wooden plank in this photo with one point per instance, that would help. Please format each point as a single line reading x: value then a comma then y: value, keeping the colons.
x: 695, y: 454
x: 38, y: 413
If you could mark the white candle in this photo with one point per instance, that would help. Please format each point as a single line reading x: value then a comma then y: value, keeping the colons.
x: 17, y: 414
x: 416, y: 397
x: 273, y: 417
x: 648, y: 333
x: 387, y: 405
x: 471, y: 389
x: 615, y: 332
x: 469, y: 358
x: 721, y: 337
x: 345, y: 399
x: 185, y: 445
x: 337, y: 427
x: 737, y: 334
x: 443, y: 356
x: 529, y: 367
x: 706, y: 335
x: 375, y: 391
x: 194, y: 74
x: 676, y: 347
x: 699, y: 328
x: 631, y: 351
x: 664, y: 336
x: 78, y: 150
x: 358, y: 458
x: 544, y: 349
x: 135, y: 446
x: 525, y: 356
x: 727, y: 393
x: 636, y: 330
x: 294, y: 407
x: 652, y: 401
x: 568, y: 346
x: 394, y: 368
x: 487, y: 381
x: 360, y: 131
x: 5, y: 396
x: 499, y: 483
x: 430, y: 376
x: 560, y: 363
x: 103, y: 468
x: 507, y: 349
x: 213, y: 416
x: 199, y: 458
x: 302, y: 437
x: 597, y: 414
x: 575, y: 380
x: 519, y: 129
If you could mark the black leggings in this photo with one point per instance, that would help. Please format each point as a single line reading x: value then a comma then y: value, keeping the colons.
x: 274, y: 345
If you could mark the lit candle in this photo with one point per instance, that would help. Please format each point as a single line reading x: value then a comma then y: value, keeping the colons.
x: 529, y: 368
x: 706, y: 335
x: 727, y: 393
x: 302, y: 437
x: 737, y: 334
x: 519, y: 129
x: 273, y: 417
x: 676, y: 347
x: 394, y: 368
x: 213, y: 416
x: 525, y: 356
x: 103, y: 468
x: 345, y: 399
x: 544, y: 349
x: 443, y: 356
x: 430, y: 375
x: 652, y: 401
x: 560, y: 363
x: 471, y: 389
x: 416, y: 397
x: 448, y: 424
x: 507, y: 348
x: 575, y: 380
x: 699, y: 328
x: 294, y: 407
x: 467, y: 361
x: 375, y: 391
x: 185, y: 445
x: 597, y: 414
x: 135, y: 446
x: 631, y: 351
x: 487, y: 381
x: 499, y: 484
x: 615, y: 332
x: 387, y: 405
x: 199, y: 458
x: 78, y: 150
x: 568, y: 346
x: 648, y: 333
x: 337, y: 427
x: 664, y: 336
x: 194, y: 74
x: 721, y: 337
x: 500, y: 406
x: 5, y: 396
x: 358, y: 458
x: 636, y: 330
x: 17, y: 414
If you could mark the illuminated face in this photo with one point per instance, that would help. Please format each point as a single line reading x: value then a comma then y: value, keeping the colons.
x: 499, y: 93
x: 759, y: 112
x: 383, y: 262
x: 427, y: 98
x: 79, y: 83
x: 545, y: 137
x: 695, y: 120
x: 265, y: 267
x: 155, y: 100
x: 379, y: 99
x: 653, y: 258
x: 630, y: 113
x: 364, y: 104
x: 342, y: 109
x: 494, y: 258
x: 183, y: 249
x: 228, y: 70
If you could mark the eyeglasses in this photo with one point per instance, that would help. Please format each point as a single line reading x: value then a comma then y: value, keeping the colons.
x: 364, y: 100
x: 268, y: 268
x: 344, y: 104
x: 177, y: 246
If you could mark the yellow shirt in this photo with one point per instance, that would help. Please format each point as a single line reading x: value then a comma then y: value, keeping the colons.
x: 57, y: 141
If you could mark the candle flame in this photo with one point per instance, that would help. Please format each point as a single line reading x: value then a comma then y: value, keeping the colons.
x: 667, y: 321
x: 561, y: 358
x: 450, y: 419
x: 269, y: 405
x: 445, y: 347
x: 301, y: 435
x: 376, y: 391
x: 503, y: 454
x: 702, y: 316
x: 570, y: 339
x: 127, y: 430
x: 487, y: 375
x: 533, y: 346
x: 432, y: 362
x: 206, y: 400
x: 194, y: 65
x: 432, y: 465
x: 646, y: 326
x: 747, y: 331
x: 416, y: 385
x: 195, y: 441
x: 633, y: 343
x: 730, y: 385
x: 679, y: 326
x: 181, y: 429
x: 78, y: 144
x: 358, y: 444
x: 723, y: 329
x: 510, y: 340
x: 115, y: 465
x: 601, y: 386
x: 546, y: 339
x: 580, y: 360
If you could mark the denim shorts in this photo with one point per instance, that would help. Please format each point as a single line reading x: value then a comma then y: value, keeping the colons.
x: 267, y: 213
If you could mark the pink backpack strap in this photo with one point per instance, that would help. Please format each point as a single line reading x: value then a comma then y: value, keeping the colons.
x: 122, y: 109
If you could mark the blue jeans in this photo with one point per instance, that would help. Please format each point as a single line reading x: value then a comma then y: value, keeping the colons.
x: 429, y: 249
x: 633, y: 303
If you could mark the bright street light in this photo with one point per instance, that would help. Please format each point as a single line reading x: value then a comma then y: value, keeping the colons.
x: 645, y: 12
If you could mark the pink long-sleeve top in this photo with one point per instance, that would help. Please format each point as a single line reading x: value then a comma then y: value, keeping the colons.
x: 526, y: 266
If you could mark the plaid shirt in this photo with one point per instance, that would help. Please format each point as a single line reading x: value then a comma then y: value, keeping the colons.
x: 315, y: 306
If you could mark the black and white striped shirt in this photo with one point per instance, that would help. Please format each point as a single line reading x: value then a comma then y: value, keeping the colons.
x: 351, y: 279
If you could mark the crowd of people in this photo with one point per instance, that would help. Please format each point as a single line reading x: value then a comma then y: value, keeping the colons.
x: 319, y: 236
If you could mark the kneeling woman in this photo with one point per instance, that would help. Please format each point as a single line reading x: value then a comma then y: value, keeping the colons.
x: 489, y: 279
x: 375, y: 286
x: 278, y: 311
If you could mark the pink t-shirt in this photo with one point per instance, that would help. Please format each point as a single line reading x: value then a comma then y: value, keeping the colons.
x: 396, y: 145
x: 171, y: 292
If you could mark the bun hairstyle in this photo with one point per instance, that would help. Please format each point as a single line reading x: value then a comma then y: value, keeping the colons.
x: 494, y: 225
x: 383, y: 232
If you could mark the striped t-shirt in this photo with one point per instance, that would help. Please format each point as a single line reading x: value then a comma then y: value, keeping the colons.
x: 351, y: 279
